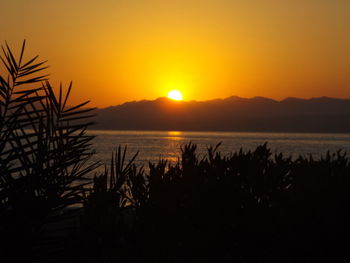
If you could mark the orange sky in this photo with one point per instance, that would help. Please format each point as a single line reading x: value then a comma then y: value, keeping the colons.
x: 122, y: 50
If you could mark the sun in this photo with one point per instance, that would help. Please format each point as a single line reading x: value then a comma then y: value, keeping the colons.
x: 175, y: 95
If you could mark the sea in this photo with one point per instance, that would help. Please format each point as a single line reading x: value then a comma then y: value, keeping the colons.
x: 152, y: 146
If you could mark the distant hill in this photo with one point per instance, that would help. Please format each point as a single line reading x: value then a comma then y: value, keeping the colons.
x: 256, y: 114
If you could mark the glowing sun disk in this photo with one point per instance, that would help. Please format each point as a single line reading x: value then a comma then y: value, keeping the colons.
x: 175, y: 95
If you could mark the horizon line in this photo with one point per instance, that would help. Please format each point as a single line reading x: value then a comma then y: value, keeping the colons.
x: 218, y: 99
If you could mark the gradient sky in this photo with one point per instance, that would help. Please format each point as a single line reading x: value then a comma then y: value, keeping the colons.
x: 122, y: 50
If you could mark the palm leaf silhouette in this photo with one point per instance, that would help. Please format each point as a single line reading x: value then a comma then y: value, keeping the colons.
x: 44, y: 148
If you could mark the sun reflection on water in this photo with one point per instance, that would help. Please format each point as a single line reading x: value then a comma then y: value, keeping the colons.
x: 175, y: 135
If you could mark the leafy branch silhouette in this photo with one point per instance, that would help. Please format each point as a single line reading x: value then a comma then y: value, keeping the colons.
x: 44, y: 149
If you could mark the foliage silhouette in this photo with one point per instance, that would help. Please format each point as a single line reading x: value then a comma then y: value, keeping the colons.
x: 247, y: 207
x: 44, y: 154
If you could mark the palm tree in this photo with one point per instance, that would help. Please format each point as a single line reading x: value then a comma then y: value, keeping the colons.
x: 44, y: 152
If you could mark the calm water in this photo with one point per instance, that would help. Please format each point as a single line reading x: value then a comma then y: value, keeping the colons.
x: 153, y: 145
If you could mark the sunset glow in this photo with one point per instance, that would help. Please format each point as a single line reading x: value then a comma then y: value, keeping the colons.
x: 175, y: 95
x: 136, y: 50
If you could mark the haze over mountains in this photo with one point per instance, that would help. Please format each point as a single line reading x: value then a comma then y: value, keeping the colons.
x: 256, y: 114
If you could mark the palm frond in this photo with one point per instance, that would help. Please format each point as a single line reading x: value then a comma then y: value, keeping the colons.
x: 44, y: 147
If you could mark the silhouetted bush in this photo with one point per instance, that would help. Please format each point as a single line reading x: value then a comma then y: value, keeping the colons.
x: 247, y: 207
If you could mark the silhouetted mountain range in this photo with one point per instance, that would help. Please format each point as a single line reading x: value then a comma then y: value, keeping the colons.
x: 231, y: 114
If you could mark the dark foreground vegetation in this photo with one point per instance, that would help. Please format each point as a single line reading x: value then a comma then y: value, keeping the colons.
x: 250, y: 206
